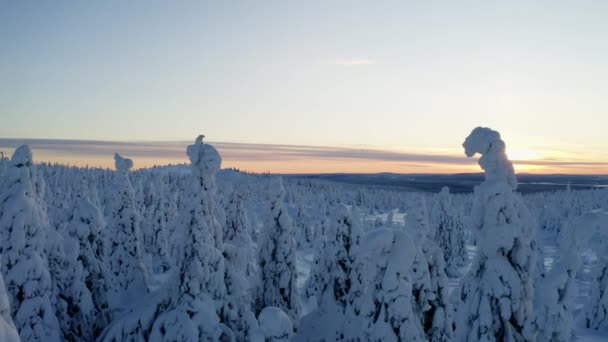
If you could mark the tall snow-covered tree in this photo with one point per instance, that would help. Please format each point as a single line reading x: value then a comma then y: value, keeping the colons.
x: 277, y: 258
x: 240, y: 269
x: 191, y: 312
x: 124, y: 249
x: 332, y: 273
x: 88, y: 229
x: 304, y: 233
x: 556, y: 302
x: 449, y: 232
x: 594, y: 227
x: 417, y: 219
x: 496, y: 296
x: 156, y: 220
x: 387, y: 309
x: 336, y: 279
x: 23, y: 228
x: 428, y: 276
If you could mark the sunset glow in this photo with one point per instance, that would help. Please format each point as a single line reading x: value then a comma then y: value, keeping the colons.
x: 412, y: 81
x: 304, y: 159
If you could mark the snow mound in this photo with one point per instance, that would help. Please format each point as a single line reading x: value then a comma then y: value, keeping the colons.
x: 275, y: 324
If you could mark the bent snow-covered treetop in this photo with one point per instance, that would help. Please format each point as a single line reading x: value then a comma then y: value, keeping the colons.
x: 494, y: 161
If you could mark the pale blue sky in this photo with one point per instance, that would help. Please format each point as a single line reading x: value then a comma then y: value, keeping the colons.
x: 398, y: 74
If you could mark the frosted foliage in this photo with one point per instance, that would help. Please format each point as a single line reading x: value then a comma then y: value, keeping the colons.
x: 449, y: 232
x: 386, y: 312
x: 202, y: 263
x: 276, y: 188
x: 555, y: 304
x: 8, y: 332
x: 431, y: 288
x: 495, y: 298
x: 192, y: 320
x: 336, y: 281
x: 190, y: 309
x: 23, y: 225
x: 333, y: 271
x: 85, y: 249
x: 240, y: 269
x: 205, y: 162
x: 124, y: 250
x: 594, y: 226
x: 122, y: 165
x: 418, y: 218
x: 156, y: 220
x: 277, y: 259
x: 75, y: 303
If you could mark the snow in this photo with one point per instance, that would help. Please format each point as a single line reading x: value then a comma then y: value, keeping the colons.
x: 122, y: 164
x: 275, y: 324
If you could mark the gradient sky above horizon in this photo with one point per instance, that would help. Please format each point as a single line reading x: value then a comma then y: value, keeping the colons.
x: 408, y: 76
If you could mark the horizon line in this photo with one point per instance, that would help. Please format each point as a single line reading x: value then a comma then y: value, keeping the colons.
x: 288, y: 159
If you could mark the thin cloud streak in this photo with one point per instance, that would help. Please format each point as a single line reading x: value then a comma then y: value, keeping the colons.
x: 99, y: 153
x: 355, y: 62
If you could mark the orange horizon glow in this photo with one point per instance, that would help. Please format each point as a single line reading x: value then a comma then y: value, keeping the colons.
x: 287, y: 159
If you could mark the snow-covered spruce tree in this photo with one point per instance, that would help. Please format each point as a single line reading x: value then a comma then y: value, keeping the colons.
x: 74, y: 260
x: 88, y: 229
x: 417, y: 219
x: 555, y: 303
x: 387, y: 309
x: 494, y: 301
x: 331, y: 275
x: 277, y: 259
x: 124, y: 250
x: 336, y: 279
x: 8, y: 331
x: 23, y: 227
x: 74, y: 303
x: 449, y: 232
x: 428, y: 277
x: 196, y: 297
x: 156, y: 220
x: 596, y: 310
x: 240, y: 269
x: 304, y: 229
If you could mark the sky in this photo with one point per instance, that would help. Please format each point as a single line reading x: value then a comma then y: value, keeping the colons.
x: 396, y: 78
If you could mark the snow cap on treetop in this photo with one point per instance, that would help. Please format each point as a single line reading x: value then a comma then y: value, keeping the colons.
x: 276, y: 186
x: 122, y: 164
x: 22, y: 156
x: 204, y: 157
x: 275, y: 323
x: 480, y: 141
x: 493, y: 161
x: 342, y: 210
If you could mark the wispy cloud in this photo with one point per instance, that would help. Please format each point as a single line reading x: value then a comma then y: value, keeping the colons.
x: 276, y: 158
x: 355, y: 62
